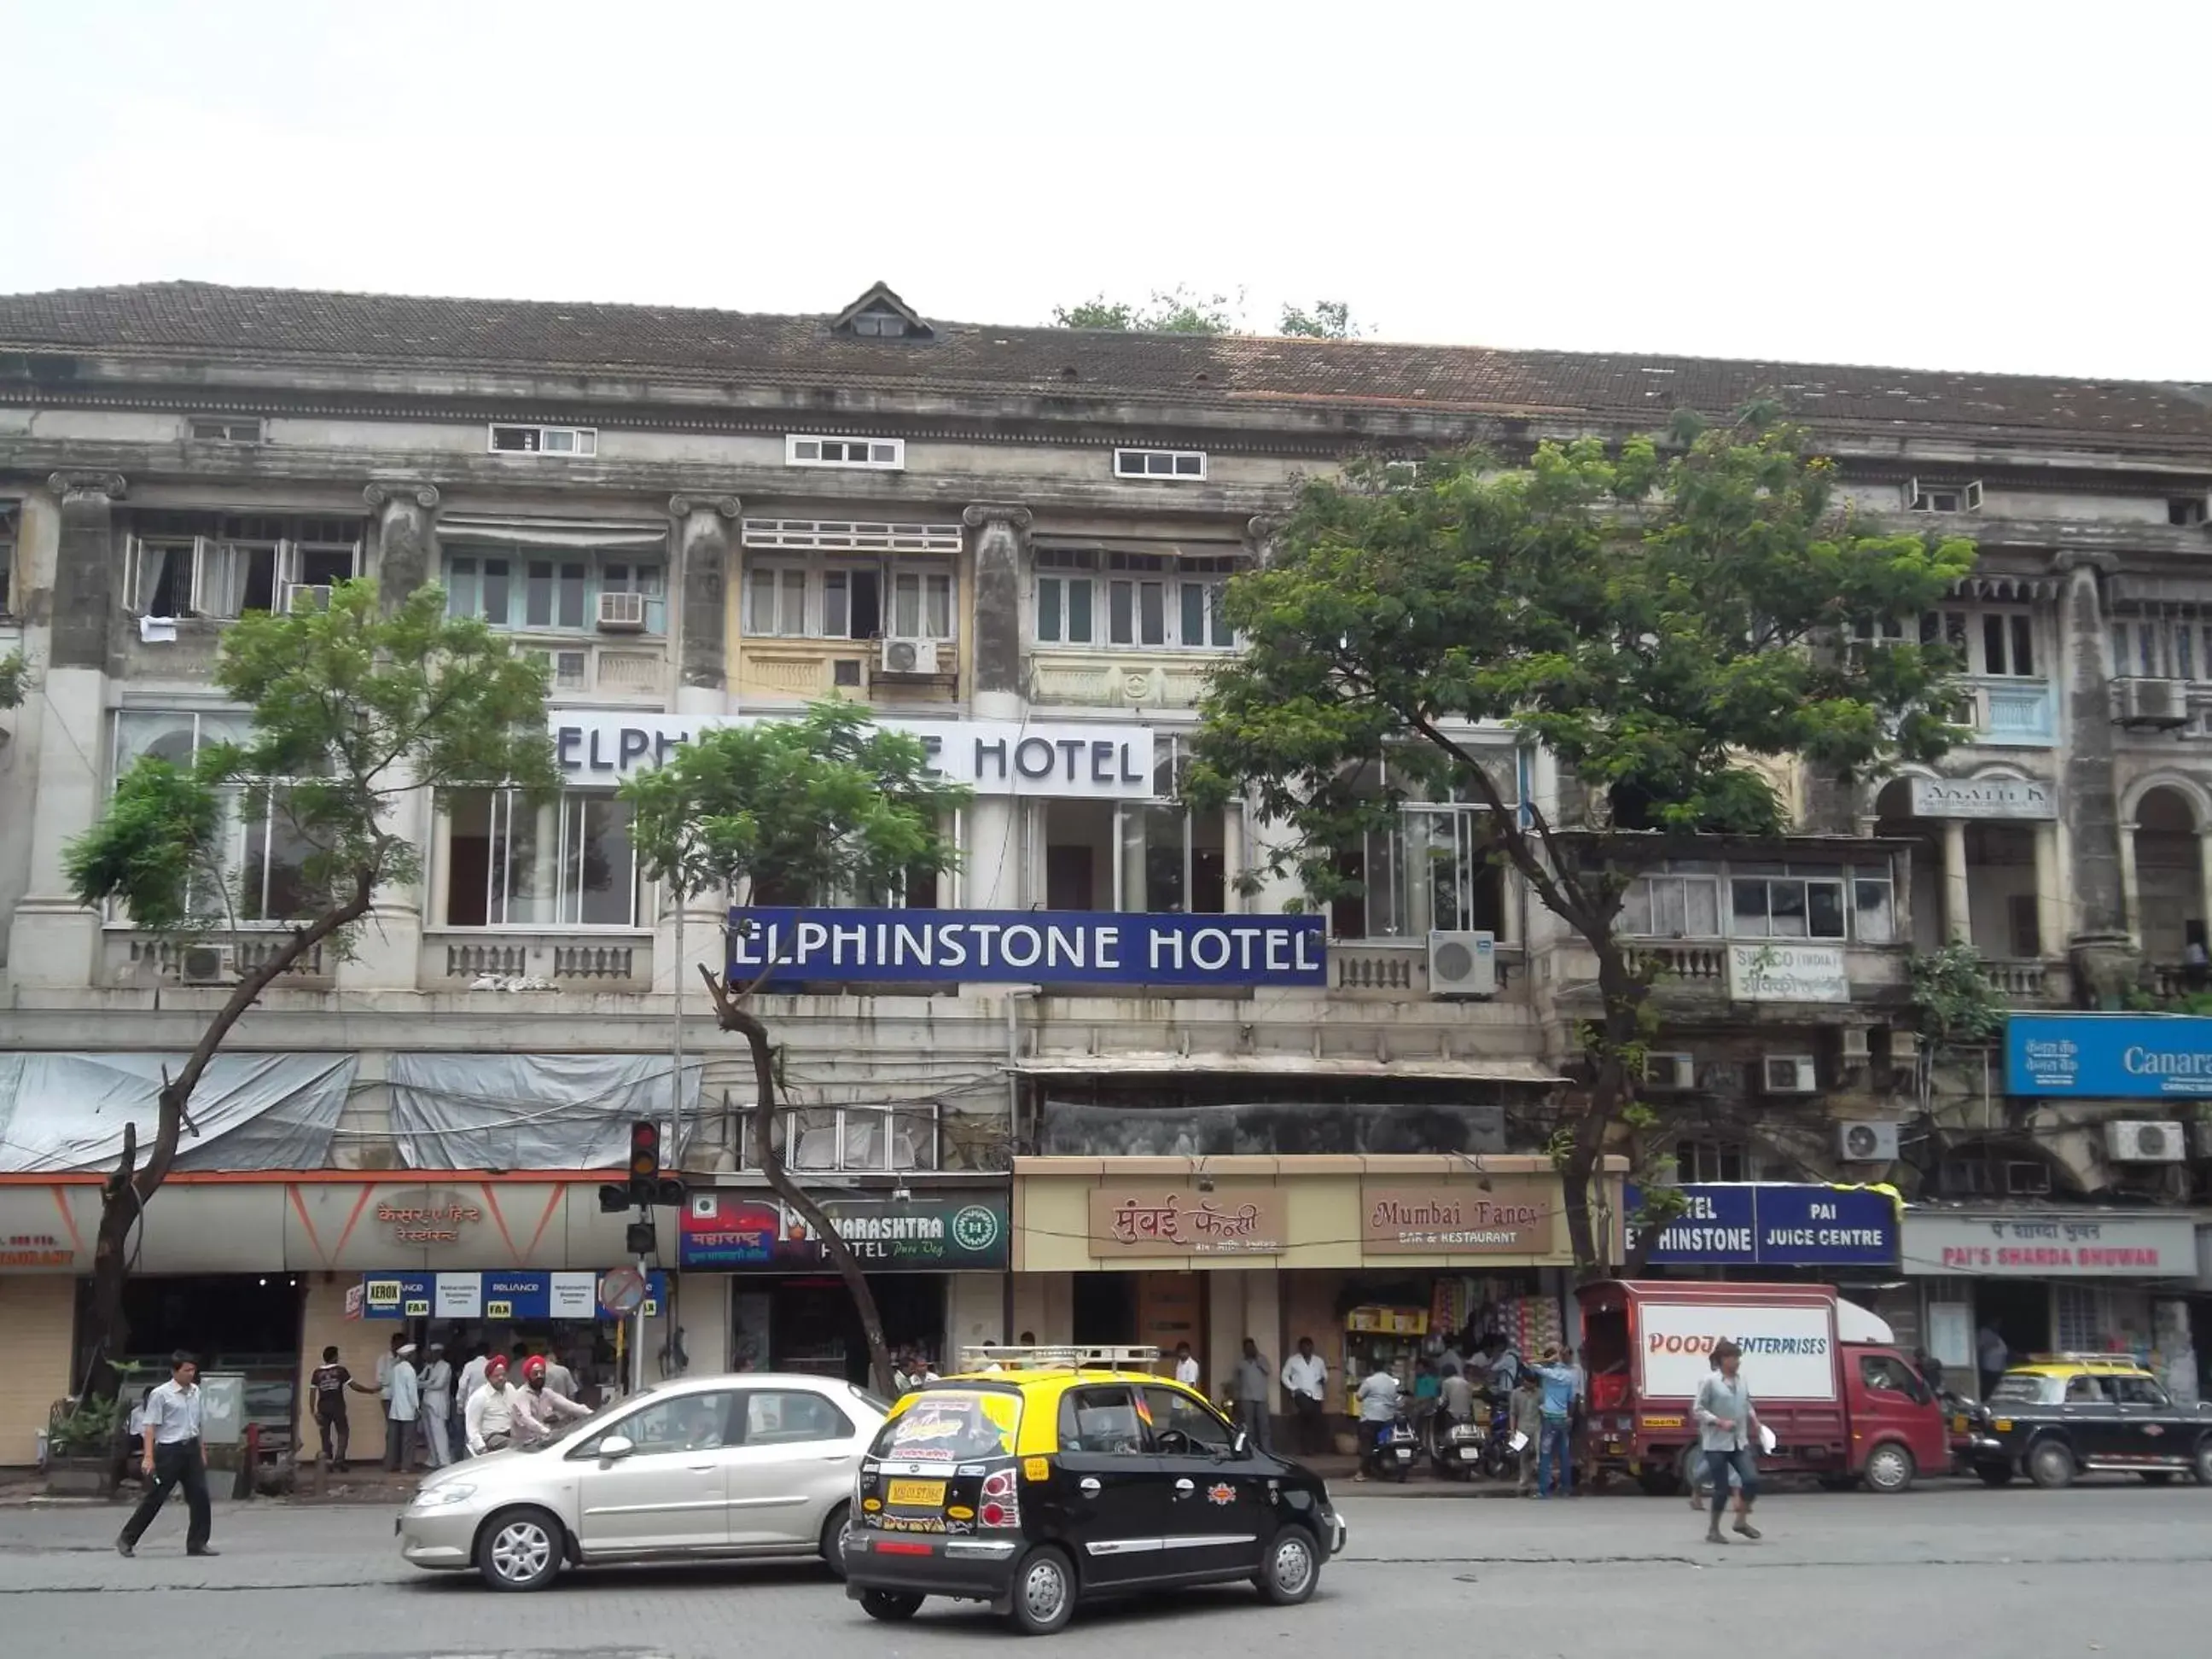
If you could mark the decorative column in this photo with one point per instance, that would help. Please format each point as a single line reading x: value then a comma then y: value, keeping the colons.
x: 388, y: 943
x: 2100, y: 878
x: 1958, y: 895
x: 2130, y: 886
x: 406, y: 540
x: 703, y: 524
x: 994, y: 841
x: 53, y: 940
x: 2204, y: 874
x: 2050, y: 895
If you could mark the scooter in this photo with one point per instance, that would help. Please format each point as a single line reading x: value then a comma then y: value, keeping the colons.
x: 1457, y: 1452
x: 1390, y: 1447
x: 1500, y: 1461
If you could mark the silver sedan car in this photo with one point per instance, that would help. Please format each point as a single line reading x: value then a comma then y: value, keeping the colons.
x: 752, y: 1465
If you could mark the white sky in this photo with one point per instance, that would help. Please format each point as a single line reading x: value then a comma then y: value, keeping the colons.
x: 1944, y: 183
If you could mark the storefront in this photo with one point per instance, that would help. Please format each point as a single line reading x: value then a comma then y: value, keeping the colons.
x: 1368, y: 1255
x: 936, y: 1258
x: 2049, y: 1280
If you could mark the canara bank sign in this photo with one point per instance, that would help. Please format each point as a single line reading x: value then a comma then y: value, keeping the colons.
x: 2109, y: 1056
x: 992, y: 757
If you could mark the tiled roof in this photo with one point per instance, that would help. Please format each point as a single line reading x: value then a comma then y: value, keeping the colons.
x: 204, y: 320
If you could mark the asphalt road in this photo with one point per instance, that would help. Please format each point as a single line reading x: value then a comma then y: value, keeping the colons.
x: 2106, y: 1567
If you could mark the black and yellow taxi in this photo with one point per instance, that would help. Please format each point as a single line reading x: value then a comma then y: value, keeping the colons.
x: 1048, y: 1481
x: 2058, y: 1415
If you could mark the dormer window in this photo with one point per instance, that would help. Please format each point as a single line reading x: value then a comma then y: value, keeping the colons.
x: 880, y: 326
x: 880, y: 314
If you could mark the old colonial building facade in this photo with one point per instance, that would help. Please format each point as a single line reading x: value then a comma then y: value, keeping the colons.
x: 1014, y: 541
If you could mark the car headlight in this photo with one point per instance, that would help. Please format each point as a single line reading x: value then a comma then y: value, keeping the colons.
x: 445, y: 1496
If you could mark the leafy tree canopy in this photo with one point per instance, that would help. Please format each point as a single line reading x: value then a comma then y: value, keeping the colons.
x: 1329, y: 320
x: 1169, y: 311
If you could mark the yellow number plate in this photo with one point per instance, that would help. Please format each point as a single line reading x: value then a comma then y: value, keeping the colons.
x: 916, y: 1494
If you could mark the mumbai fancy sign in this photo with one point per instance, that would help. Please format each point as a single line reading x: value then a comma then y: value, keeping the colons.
x: 1177, y: 1221
x: 1512, y: 1217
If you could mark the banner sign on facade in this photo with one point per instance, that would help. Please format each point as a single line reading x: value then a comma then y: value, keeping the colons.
x: 2050, y: 1246
x: 521, y: 1296
x: 1052, y: 947
x: 1514, y: 1216
x: 1983, y: 797
x: 1145, y: 1220
x: 931, y: 1231
x: 1770, y: 971
x: 992, y: 757
x: 2112, y: 1056
x: 1776, y: 1224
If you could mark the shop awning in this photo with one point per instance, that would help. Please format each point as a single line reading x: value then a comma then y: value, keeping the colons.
x: 1528, y: 1072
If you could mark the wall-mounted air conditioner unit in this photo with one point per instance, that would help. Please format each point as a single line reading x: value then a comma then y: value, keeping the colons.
x: 1867, y: 1143
x: 1788, y: 1074
x: 621, y: 613
x: 1462, y: 964
x: 206, y: 965
x: 2154, y: 705
x: 908, y: 657
x: 2144, y: 1143
x: 1669, y: 1074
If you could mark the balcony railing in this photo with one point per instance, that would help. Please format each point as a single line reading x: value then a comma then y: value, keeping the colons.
x: 586, y: 960
x: 1398, y: 969
x: 2004, y: 711
x: 2029, y: 980
x: 217, y: 958
x: 1119, y: 679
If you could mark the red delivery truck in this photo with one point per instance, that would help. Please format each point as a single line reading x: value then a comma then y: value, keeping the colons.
x: 1841, y: 1401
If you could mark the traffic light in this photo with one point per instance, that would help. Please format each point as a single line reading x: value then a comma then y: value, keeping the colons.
x: 644, y: 1162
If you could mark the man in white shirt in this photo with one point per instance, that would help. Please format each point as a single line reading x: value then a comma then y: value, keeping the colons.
x: 438, y: 1407
x: 1378, y: 1408
x: 1186, y: 1371
x: 402, y: 1409
x: 173, y: 1457
x: 495, y: 1412
x: 1305, y: 1374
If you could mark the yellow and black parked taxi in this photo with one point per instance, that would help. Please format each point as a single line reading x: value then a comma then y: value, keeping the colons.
x: 2060, y: 1414
x: 1046, y: 1482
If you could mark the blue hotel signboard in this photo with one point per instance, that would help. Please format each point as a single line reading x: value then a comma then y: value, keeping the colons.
x: 2109, y: 1056
x: 1776, y: 1224
x: 1050, y: 947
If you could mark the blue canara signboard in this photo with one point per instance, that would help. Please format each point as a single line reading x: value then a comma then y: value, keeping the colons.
x: 2112, y: 1056
x: 1052, y: 947
x: 1777, y: 1224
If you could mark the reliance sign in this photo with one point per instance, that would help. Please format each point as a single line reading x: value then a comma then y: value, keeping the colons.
x: 1052, y: 947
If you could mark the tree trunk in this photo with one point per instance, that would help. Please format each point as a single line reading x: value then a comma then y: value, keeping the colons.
x: 732, y: 1017
x: 124, y: 1195
x: 1621, y: 1029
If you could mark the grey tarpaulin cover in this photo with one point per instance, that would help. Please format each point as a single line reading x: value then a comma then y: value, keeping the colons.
x: 528, y: 1111
x: 61, y: 1112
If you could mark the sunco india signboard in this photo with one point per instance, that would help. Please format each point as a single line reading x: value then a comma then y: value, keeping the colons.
x: 2109, y: 1056
x: 2050, y: 1246
x: 1769, y: 970
x: 992, y: 757
x: 1983, y: 797
x: 1512, y: 1217
x: 1049, y: 947
x: 1134, y: 1221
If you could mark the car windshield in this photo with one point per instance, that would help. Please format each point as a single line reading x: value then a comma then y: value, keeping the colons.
x: 2020, y: 1389
x: 569, y: 1431
x: 946, y: 1425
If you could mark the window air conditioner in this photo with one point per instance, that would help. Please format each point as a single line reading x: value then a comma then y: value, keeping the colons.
x: 307, y: 596
x: 2154, y: 705
x: 2144, y: 1143
x: 205, y: 965
x: 908, y: 657
x: 621, y: 613
x: 1788, y: 1074
x: 1462, y: 964
x: 1670, y: 1073
x: 1867, y: 1143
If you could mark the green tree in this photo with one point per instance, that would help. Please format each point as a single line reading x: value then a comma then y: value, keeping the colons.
x: 1329, y: 320
x: 808, y: 810
x: 1169, y: 311
x: 14, y: 679
x: 353, y: 708
x: 1658, y: 622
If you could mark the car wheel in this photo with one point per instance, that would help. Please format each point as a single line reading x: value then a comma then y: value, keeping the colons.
x: 2157, y: 1477
x: 1291, y: 1570
x: 2202, y: 1464
x: 1889, y: 1468
x: 2050, y: 1465
x: 1044, y: 1592
x: 833, y: 1538
x: 892, y: 1606
x: 520, y: 1550
x: 1993, y: 1474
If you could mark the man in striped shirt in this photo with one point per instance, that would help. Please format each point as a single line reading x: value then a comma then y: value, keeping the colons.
x: 173, y: 1457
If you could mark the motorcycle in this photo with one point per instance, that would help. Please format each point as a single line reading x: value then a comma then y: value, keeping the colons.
x: 1500, y: 1460
x: 1458, y: 1450
x: 1390, y: 1448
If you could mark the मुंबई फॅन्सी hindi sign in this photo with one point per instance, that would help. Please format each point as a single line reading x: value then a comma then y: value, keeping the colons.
x: 1127, y: 1221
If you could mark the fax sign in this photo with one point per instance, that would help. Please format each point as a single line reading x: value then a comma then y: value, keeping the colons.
x: 419, y: 1307
x: 499, y: 1311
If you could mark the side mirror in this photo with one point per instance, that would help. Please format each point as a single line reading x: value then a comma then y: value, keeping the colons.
x: 615, y: 1446
x: 1241, y: 1445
